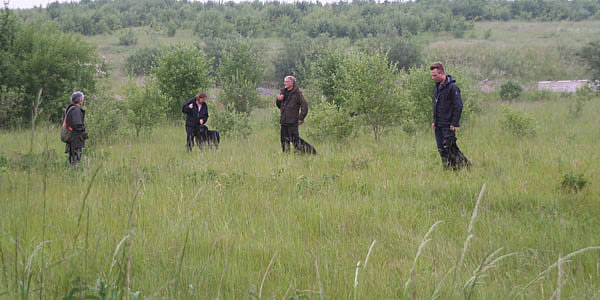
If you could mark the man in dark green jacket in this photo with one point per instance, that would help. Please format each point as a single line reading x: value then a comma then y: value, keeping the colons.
x: 293, y: 109
x: 75, y: 117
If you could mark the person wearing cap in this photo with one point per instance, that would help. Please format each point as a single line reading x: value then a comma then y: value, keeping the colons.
x: 197, y: 115
x: 75, y: 117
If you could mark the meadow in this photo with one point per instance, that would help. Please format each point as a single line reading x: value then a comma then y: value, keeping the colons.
x: 144, y: 219
x: 247, y: 220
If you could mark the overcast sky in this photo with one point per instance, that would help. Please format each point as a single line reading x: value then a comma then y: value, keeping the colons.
x: 29, y: 3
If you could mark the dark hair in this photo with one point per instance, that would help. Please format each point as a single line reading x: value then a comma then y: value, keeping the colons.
x: 437, y: 65
x: 201, y: 95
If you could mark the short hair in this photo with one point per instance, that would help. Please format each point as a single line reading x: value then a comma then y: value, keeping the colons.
x: 201, y: 95
x: 437, y: 65
x: 77, y: 97
x: 291, y: 78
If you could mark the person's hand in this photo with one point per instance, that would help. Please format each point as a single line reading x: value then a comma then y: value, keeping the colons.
x: 452, y: 128
x: 300, y: 122
x: 201, y: 122
x: 191, y: 105
x: 280, y: 97
x: 432, y: 125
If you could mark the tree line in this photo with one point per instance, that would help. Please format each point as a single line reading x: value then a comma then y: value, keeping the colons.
x: 356, y: 19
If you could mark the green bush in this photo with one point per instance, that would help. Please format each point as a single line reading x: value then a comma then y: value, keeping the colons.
x: 510, y: 90
x: 573, y: 183
x: 239, y: 94
x: 104, y: 116
x: 142, y: 61
x: 145, y: 106
x: 182, y: 72
x: 517, y: 123
x: 127, y: 38
x: 327, y: 121
x: 228, y: 121
x: 578, y: 101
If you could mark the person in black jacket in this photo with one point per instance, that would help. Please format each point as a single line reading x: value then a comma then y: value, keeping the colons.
x: 197, y: 115
x: 447, y: 109
x: 293, y: 110
x: 74, y: 118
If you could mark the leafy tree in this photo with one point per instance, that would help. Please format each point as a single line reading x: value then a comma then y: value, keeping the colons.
x: 40, y: 56
x: 127, y: 38
x: 182, y: 72
x: 240, y: 73
x: 368, y: 86
x: 145, y: 106
x: 590, y: 55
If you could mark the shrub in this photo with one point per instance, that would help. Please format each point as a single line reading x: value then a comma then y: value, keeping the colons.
x: 12, y: 107
x: 104, y: 115
x: 517, y: 123
x: 573, y: 183
x: 510, y: 90
x: 239, y: 94
x: 228, y: 121
x: 145, y: 106
x: 142, y: 61
x: 327, y: 121
x: 127, y: 38
x: 182, y: 72
x: 577, y: 102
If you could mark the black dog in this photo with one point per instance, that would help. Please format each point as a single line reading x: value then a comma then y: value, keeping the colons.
x: 207, y: 137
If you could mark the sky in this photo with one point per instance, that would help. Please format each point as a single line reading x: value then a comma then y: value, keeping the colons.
x: 29, y: 3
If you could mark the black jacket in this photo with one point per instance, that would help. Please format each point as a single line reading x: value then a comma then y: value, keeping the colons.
x: 293, y: 108
x: 75, y: 120
x: 447, y: 103
x: 193, y: 115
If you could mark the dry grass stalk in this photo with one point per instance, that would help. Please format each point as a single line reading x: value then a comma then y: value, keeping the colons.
x: 424, y: 242
x: 265, y: 276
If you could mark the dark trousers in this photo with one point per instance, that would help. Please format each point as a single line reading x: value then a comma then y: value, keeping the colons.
x: 451, y: 155
x: 289, y: 133
x: 198, y: 132
x: 74, y: 154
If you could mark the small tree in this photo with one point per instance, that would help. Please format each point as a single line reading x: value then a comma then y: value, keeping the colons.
x: 510, y: 91
x: 144, y: 106
x: 590, y: 55
x: 182, y: 71
x: 369, y: 88
x: 127, y: 38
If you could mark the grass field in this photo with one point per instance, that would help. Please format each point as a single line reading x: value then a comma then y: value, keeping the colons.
x: 247, y: 221
x: 144, y: 219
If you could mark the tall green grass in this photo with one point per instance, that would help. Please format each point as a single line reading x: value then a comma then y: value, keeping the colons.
x: 144, y: 218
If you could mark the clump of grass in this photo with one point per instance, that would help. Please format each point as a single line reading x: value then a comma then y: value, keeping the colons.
x: 573, y: 183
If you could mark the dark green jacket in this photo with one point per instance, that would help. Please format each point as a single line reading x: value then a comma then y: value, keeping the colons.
x: 75, y: 120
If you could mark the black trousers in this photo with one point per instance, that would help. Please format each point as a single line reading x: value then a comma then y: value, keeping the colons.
x: 289, y: 133
x: 74, y: 154
x: 451, y: 155
x: 198, y: 132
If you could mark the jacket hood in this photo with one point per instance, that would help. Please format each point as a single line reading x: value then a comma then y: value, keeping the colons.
x: 448, y: 81
x: 294, y: 90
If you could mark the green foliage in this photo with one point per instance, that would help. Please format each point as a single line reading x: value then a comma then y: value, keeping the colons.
x: 368, y: 88
x: 590, y: 56
x: 328, y: 121
x: 145, y: 106
x: 172, y: 29
x: 510, y: 90
x: 240, y: 72
x: 127, y: 38
x: 573, y: 183
x: 325, y: 74
x: 239, y: 94
x: 39, y: 56
x: 12, y: 106
x: 517, y: 123
x: 418, y: 94
x: 583, y: 95
x: 228, y: 121
x: 142, y: 61
x: 182, y: 72
x: 104, y: 117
